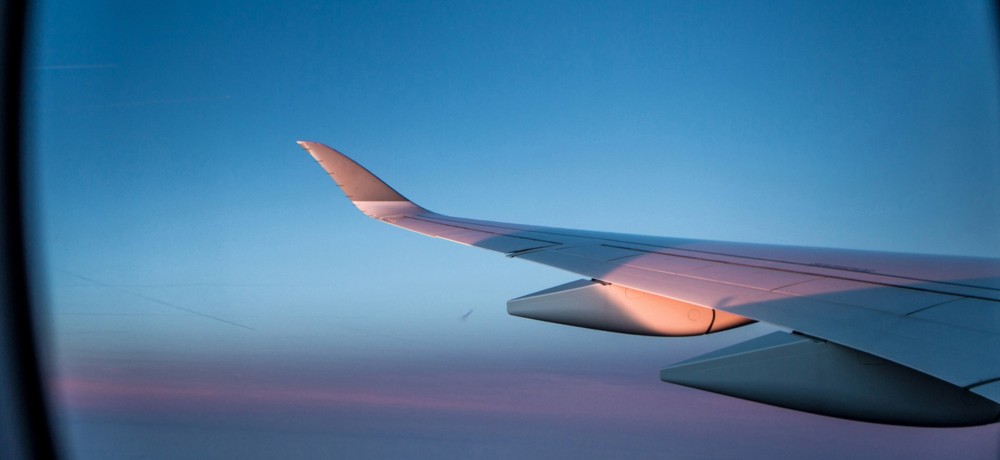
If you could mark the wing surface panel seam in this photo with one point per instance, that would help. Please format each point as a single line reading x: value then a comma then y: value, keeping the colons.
x: 548, y: 231
x: 933, y: 306
x: 785, y: 270
x: 481, y: 231
x: 986, y: 288
x: 981, y: 383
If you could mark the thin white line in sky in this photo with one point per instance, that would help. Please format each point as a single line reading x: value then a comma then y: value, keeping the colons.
x: 154, y: 300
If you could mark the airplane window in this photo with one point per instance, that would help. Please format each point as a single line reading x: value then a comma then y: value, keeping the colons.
x: 210, y: 292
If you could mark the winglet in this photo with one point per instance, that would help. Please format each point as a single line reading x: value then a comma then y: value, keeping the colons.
x: 372, y: 196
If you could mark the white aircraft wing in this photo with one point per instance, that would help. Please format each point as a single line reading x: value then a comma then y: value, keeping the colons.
x: 882, y: 337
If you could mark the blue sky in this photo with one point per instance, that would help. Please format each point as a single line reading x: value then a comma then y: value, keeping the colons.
x: 168, y: 181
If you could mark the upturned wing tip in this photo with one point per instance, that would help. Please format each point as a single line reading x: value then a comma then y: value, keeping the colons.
x: 369, y: 193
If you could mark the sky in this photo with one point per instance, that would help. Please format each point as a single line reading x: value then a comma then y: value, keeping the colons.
x: 210, y: 292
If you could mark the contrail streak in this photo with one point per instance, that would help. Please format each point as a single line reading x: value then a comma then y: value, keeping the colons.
x: 154, y: 300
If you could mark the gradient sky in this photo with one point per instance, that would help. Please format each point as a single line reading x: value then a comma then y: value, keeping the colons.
x: 171, y: 196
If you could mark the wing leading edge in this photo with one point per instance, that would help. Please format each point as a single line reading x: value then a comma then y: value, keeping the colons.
x: 930, y: 324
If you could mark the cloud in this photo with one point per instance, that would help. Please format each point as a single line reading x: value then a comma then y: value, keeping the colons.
x: 485, y: 393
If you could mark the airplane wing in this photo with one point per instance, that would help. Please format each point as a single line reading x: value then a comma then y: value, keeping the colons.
x: 881, y: 337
